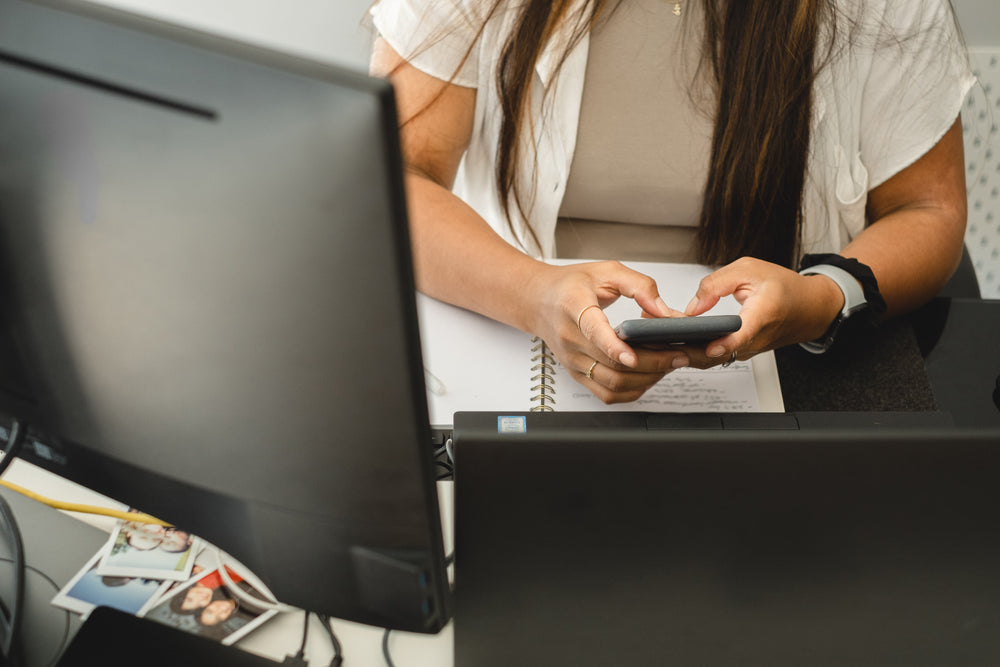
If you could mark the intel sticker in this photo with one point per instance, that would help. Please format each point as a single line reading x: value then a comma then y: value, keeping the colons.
x: 512, y: 424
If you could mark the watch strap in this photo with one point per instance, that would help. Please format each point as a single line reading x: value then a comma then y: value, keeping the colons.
x: 854, y: 294
x: 854, y: 302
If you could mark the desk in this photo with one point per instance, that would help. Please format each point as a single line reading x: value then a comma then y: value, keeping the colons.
x: 362, y: 644
x: 945, y: 356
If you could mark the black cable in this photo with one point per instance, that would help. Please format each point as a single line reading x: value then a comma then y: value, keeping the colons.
x: 338, y: 658
x: 9, y: 648
x: 385, y: 648
x: 445, y: 471
x: 305, y: 637
x: 446, y: 468
x: 14, y: 441
x: 66, y: 614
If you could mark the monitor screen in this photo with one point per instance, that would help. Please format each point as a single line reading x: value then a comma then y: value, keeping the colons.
x: 208, y: 303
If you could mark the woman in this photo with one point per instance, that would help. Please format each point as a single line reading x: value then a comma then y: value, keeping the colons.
x: 194, y: 600
x: 813, y: 126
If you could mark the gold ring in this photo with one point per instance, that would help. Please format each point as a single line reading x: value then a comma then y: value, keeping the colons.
x: 579, y: 318
x: 590, y: 371
x: 732, y: 358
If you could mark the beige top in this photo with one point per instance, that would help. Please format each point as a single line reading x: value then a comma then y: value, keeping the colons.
x: 643, y: 144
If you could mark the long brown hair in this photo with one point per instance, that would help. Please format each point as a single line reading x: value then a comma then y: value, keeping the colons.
x: 761, y: 59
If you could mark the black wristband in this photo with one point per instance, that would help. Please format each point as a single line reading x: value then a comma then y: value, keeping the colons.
x: 861, y: 273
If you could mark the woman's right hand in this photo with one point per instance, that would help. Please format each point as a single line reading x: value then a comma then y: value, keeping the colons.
x: 565, y: 308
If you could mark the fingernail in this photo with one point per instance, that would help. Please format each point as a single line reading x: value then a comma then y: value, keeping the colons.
x: 629, y: 359
x: 692, y: 305
x: 662, y: 305
x: 680, y: 362
x: 715, y: 351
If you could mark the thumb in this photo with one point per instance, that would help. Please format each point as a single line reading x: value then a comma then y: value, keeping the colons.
x: 643, y: 290
x: 713, y: 287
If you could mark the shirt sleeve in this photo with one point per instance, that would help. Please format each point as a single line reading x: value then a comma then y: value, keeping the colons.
x: 438, y: 37
x: 916, y: 86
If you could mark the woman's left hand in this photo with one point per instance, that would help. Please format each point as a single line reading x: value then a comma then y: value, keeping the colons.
x: 779, y: 307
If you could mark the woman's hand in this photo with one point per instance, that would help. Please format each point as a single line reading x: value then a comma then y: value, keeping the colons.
x: 566, y: 310
x: 779, y: 307
x: 912, y: 245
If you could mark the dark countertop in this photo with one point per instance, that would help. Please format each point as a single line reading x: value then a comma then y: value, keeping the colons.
x: 945, y: 356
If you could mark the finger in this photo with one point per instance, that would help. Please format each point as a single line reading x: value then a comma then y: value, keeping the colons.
x: 652, y: 365
x: 705, y: 297
x: 648, y: 360
x: 596, y: 328
x: 700, y: 359
x: 749, y: 339
x: 714, y: 286
x: 742, y: 342
x: 610, y: 397
x: 621, y: 381
x: 660, y: 360
x: 641, y: 288
x: 723, y: 348
x: 670, y: 313
x: 612, y: 386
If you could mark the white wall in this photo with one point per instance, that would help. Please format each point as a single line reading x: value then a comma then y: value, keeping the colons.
x: 980, y: 21
x: 327, y: 30
x: 331, y: 29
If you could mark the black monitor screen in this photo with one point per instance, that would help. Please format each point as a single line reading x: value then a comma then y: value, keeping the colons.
x: 208, y: 301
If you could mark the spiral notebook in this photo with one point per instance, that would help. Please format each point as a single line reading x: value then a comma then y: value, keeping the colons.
x: 473, y: 363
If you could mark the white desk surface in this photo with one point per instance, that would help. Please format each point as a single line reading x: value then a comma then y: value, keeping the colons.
x: 282, y: 635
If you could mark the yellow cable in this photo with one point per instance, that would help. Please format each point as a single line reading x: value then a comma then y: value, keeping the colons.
x: 138, y: 517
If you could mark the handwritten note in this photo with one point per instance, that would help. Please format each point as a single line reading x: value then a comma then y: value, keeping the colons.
x: 717, y: 389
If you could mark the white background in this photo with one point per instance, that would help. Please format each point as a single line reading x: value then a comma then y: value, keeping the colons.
x: 331, y: 29
x: 328, y: 30
x: 980, y: 21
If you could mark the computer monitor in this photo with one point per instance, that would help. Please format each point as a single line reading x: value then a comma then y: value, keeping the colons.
x: 208, y: 301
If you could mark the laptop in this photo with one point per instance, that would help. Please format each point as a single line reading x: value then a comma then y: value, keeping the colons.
x: 605, y: 544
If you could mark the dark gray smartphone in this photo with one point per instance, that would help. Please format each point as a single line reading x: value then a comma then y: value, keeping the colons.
x: 677, y: 330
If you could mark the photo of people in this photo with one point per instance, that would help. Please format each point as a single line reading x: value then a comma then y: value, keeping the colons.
x: 149, y: 550
x: 88, y: 590
x: 196, y: 571
x: 207, y: 608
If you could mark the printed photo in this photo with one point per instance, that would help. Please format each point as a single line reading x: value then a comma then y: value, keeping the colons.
x: 88, y: 590
x: 151, y: 551
x: 196, y: 572
x: 205, y: 607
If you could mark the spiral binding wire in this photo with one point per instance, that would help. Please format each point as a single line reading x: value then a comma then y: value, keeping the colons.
x: 544, y: 373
